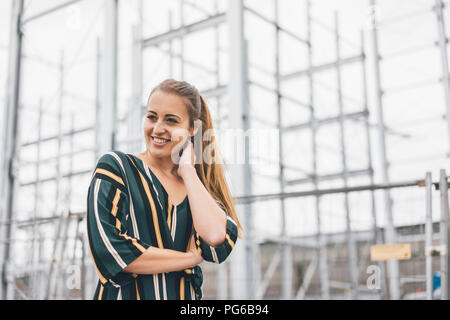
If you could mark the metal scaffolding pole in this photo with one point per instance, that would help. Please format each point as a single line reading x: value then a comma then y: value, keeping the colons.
x: 286, y: 249
x: 68, y: 200
x: 429, y: 235
x: 377, y: 236
x: 185, y: 30
x: 108, y: 80
x: 60, y: 137
x: 61, y: 287
x: 322, y: 246
x: 351, y: 248
x: 50, y: 10
x: 444, y: 61
x: 54, y: 266
x: 222, y: 269
x: 445, y: 229
x: 34, y: 247
x: 83, y: 266
x: 42, y: 276
x: 57, y: 247
x: 321, y: 192
x: 181, y: 55
x: 242, y: 265
x: 393, y: 269
x: 170, y: 51
x: 9, y: 148
x: 136, y: 111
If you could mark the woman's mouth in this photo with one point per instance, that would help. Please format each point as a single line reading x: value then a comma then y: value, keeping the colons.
x: 160, y: 141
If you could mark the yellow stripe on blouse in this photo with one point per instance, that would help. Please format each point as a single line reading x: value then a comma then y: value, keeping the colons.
x: 109, y: 174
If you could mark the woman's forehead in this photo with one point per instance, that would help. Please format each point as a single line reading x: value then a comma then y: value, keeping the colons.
x: 161, y: 102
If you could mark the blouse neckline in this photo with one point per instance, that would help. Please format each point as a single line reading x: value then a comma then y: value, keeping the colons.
x: 159, y: 182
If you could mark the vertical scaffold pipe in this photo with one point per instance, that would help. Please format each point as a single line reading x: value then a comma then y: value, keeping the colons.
x: 445, y: 220
x: 439, y: 8
x: 241, y: 266
x: 392, y: 265
x: 429, y: 236
x: 8, y: 181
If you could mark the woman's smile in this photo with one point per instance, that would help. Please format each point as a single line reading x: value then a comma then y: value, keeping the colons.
x: 160, y: 142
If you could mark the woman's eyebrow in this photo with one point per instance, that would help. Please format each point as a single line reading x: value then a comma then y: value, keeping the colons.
x: 167, y: 115
x: 172, y: 115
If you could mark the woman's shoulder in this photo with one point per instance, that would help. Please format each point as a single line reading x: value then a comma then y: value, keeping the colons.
x: 114, y: 158
x: 118, y: 161
x: 110, y: 168
x: 112, y: 161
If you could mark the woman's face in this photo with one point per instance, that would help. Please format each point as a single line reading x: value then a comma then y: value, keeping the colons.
x: 166, y: 121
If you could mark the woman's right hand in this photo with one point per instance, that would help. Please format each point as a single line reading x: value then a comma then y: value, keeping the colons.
x: 192, y: 249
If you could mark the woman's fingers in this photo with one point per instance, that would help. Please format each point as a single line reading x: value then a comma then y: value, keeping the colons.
x: 187, y: 157
x: 176, y: 150
x: 192, y: 246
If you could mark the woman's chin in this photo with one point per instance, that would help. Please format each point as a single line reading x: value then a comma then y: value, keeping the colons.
x: 159, y: 154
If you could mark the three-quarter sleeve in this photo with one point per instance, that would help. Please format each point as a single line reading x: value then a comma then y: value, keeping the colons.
x: 112, y: 247
x: 219, y: 253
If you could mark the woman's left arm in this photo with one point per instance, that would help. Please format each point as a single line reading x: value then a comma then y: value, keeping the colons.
x: 208, y: 218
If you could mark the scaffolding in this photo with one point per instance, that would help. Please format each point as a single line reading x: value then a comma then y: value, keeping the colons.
x: 304, y: 98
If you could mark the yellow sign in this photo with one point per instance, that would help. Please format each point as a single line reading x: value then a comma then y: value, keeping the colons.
x: 401, y: 251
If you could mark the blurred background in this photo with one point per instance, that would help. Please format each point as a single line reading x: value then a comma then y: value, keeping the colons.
x: 341, y: 183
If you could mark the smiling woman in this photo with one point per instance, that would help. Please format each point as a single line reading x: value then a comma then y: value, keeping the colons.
x: 155, y: 216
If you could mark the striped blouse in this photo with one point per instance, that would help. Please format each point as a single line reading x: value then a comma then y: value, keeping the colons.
x: 128, y: 211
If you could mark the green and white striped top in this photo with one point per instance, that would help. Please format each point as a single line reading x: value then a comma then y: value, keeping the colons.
x: 128, y: 211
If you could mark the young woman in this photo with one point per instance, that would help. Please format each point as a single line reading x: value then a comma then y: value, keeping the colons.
x: 155, y: 216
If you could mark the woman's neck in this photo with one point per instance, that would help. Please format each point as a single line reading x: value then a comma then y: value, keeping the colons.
x: 163, y: 165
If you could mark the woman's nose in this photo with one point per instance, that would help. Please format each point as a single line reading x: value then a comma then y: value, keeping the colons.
x: 158, y: 128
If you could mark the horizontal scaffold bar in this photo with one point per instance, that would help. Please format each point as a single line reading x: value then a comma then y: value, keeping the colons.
x: 50, y: 10
x: 184, y: 30
x: 322, y: 192
x: 322, y: 68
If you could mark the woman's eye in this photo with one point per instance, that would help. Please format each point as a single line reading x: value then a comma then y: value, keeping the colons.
x: 171, y: 120
x: 151, y: 117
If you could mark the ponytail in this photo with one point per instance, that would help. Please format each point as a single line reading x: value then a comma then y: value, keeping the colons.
x: 210, y: 171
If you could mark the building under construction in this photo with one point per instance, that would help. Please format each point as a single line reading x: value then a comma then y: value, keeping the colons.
x: 333, y: 118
